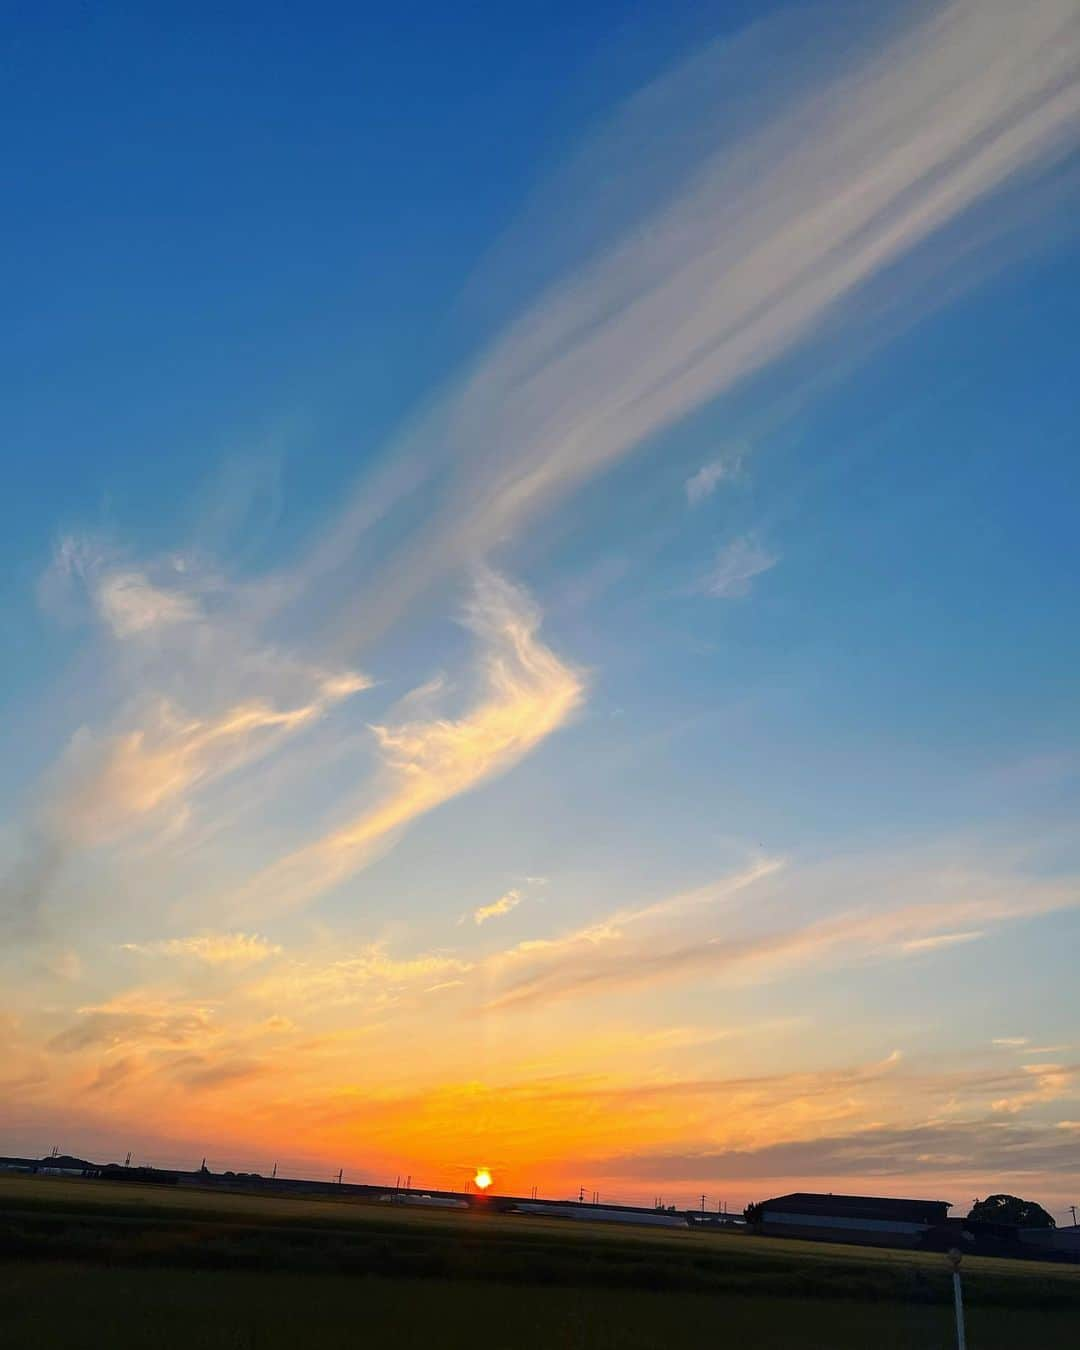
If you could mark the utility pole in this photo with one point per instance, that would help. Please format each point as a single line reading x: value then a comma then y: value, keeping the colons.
x: 1072, y: 1211
x: 341, y: 1172
x: 273, y: 1174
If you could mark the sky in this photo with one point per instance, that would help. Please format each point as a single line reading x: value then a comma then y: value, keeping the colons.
x: 539, y: 570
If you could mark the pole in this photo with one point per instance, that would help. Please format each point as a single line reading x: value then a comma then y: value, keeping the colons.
x: 1072, y: 1211
x: 958, y: 1299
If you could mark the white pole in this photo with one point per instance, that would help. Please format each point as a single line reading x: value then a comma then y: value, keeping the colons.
x: 958, y: 1299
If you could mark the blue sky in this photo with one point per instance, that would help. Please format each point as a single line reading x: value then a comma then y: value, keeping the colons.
x: 609, y: 467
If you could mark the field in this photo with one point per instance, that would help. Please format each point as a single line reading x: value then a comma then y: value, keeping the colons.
x: 86, y: 1264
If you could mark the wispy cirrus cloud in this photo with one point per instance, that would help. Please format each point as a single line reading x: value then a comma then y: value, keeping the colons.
x: 708, y: 478
x: 108, y: 782
x: 138, y: 1019
x: 974, y: 1146
x: 936, y: 941
x: 527, y: 693
x: 214, y: 949
x: 632, y: 949
x: 130, y: 604
x: 370, y: 974
x: 736, y: 566
x: 1048, y: 1082
x: 724, y: 249
x: 121, y: 594
x: 194, y: 695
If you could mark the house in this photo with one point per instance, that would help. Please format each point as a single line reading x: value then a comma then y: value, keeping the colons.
x: 877, y: 1220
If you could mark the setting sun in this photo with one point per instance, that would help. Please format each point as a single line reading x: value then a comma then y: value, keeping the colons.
x: 482, y: 1180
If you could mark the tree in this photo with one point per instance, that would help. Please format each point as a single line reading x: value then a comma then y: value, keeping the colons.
x: 1011, y: 1209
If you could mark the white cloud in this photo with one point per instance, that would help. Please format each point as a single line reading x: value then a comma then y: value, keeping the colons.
x: 129, y: 604
x: 709, y: 477
x: 121, y: 595
x: 777, y: 186
x: 736, y: 565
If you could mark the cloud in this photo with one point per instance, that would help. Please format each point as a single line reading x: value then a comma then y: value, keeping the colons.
x: 215, y: 949
x: 122, y: 596
x: 938, y: 940
x: 527, y: 694
x: 767, y: 234
x: 133, y: 1021
x: 1051, y: 1081
x: 976, y: 1146
x: 709, y: 477
x: 130, y: 604
x: 104, y: 784
x: 371, y: 974
x: 224, y: 1074
x: 629, y: 949
x: 1010, y: 1042
x: 788, y: 169
x: 503, y: 905
x: 736, y: 565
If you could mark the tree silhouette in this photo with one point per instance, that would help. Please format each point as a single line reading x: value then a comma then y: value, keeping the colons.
x: 1011, y: 1209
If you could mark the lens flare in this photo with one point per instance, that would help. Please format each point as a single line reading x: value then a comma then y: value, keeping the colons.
x: 482, y: 1180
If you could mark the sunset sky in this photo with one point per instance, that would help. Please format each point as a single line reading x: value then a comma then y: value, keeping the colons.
x: 540, y: 581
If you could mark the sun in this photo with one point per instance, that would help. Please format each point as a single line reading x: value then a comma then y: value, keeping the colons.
x: 482, y: 1180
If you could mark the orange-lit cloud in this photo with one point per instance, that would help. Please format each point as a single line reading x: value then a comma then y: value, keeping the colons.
x: 528, y: 694
x: 505, y: 903
x: 107, y: 783
x: 216, y: 949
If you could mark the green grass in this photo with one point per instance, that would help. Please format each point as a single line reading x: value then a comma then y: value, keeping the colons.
x: 159, y: 1266
x: 78, y: 1307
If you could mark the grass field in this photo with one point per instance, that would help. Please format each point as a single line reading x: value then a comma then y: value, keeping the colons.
x: 86, y: 1264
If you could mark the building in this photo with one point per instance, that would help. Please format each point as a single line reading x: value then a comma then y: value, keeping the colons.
x: 1061, y: 1243
x: 877, y: 1220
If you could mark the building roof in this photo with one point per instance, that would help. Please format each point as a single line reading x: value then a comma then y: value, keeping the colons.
x: 858, y: 1206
